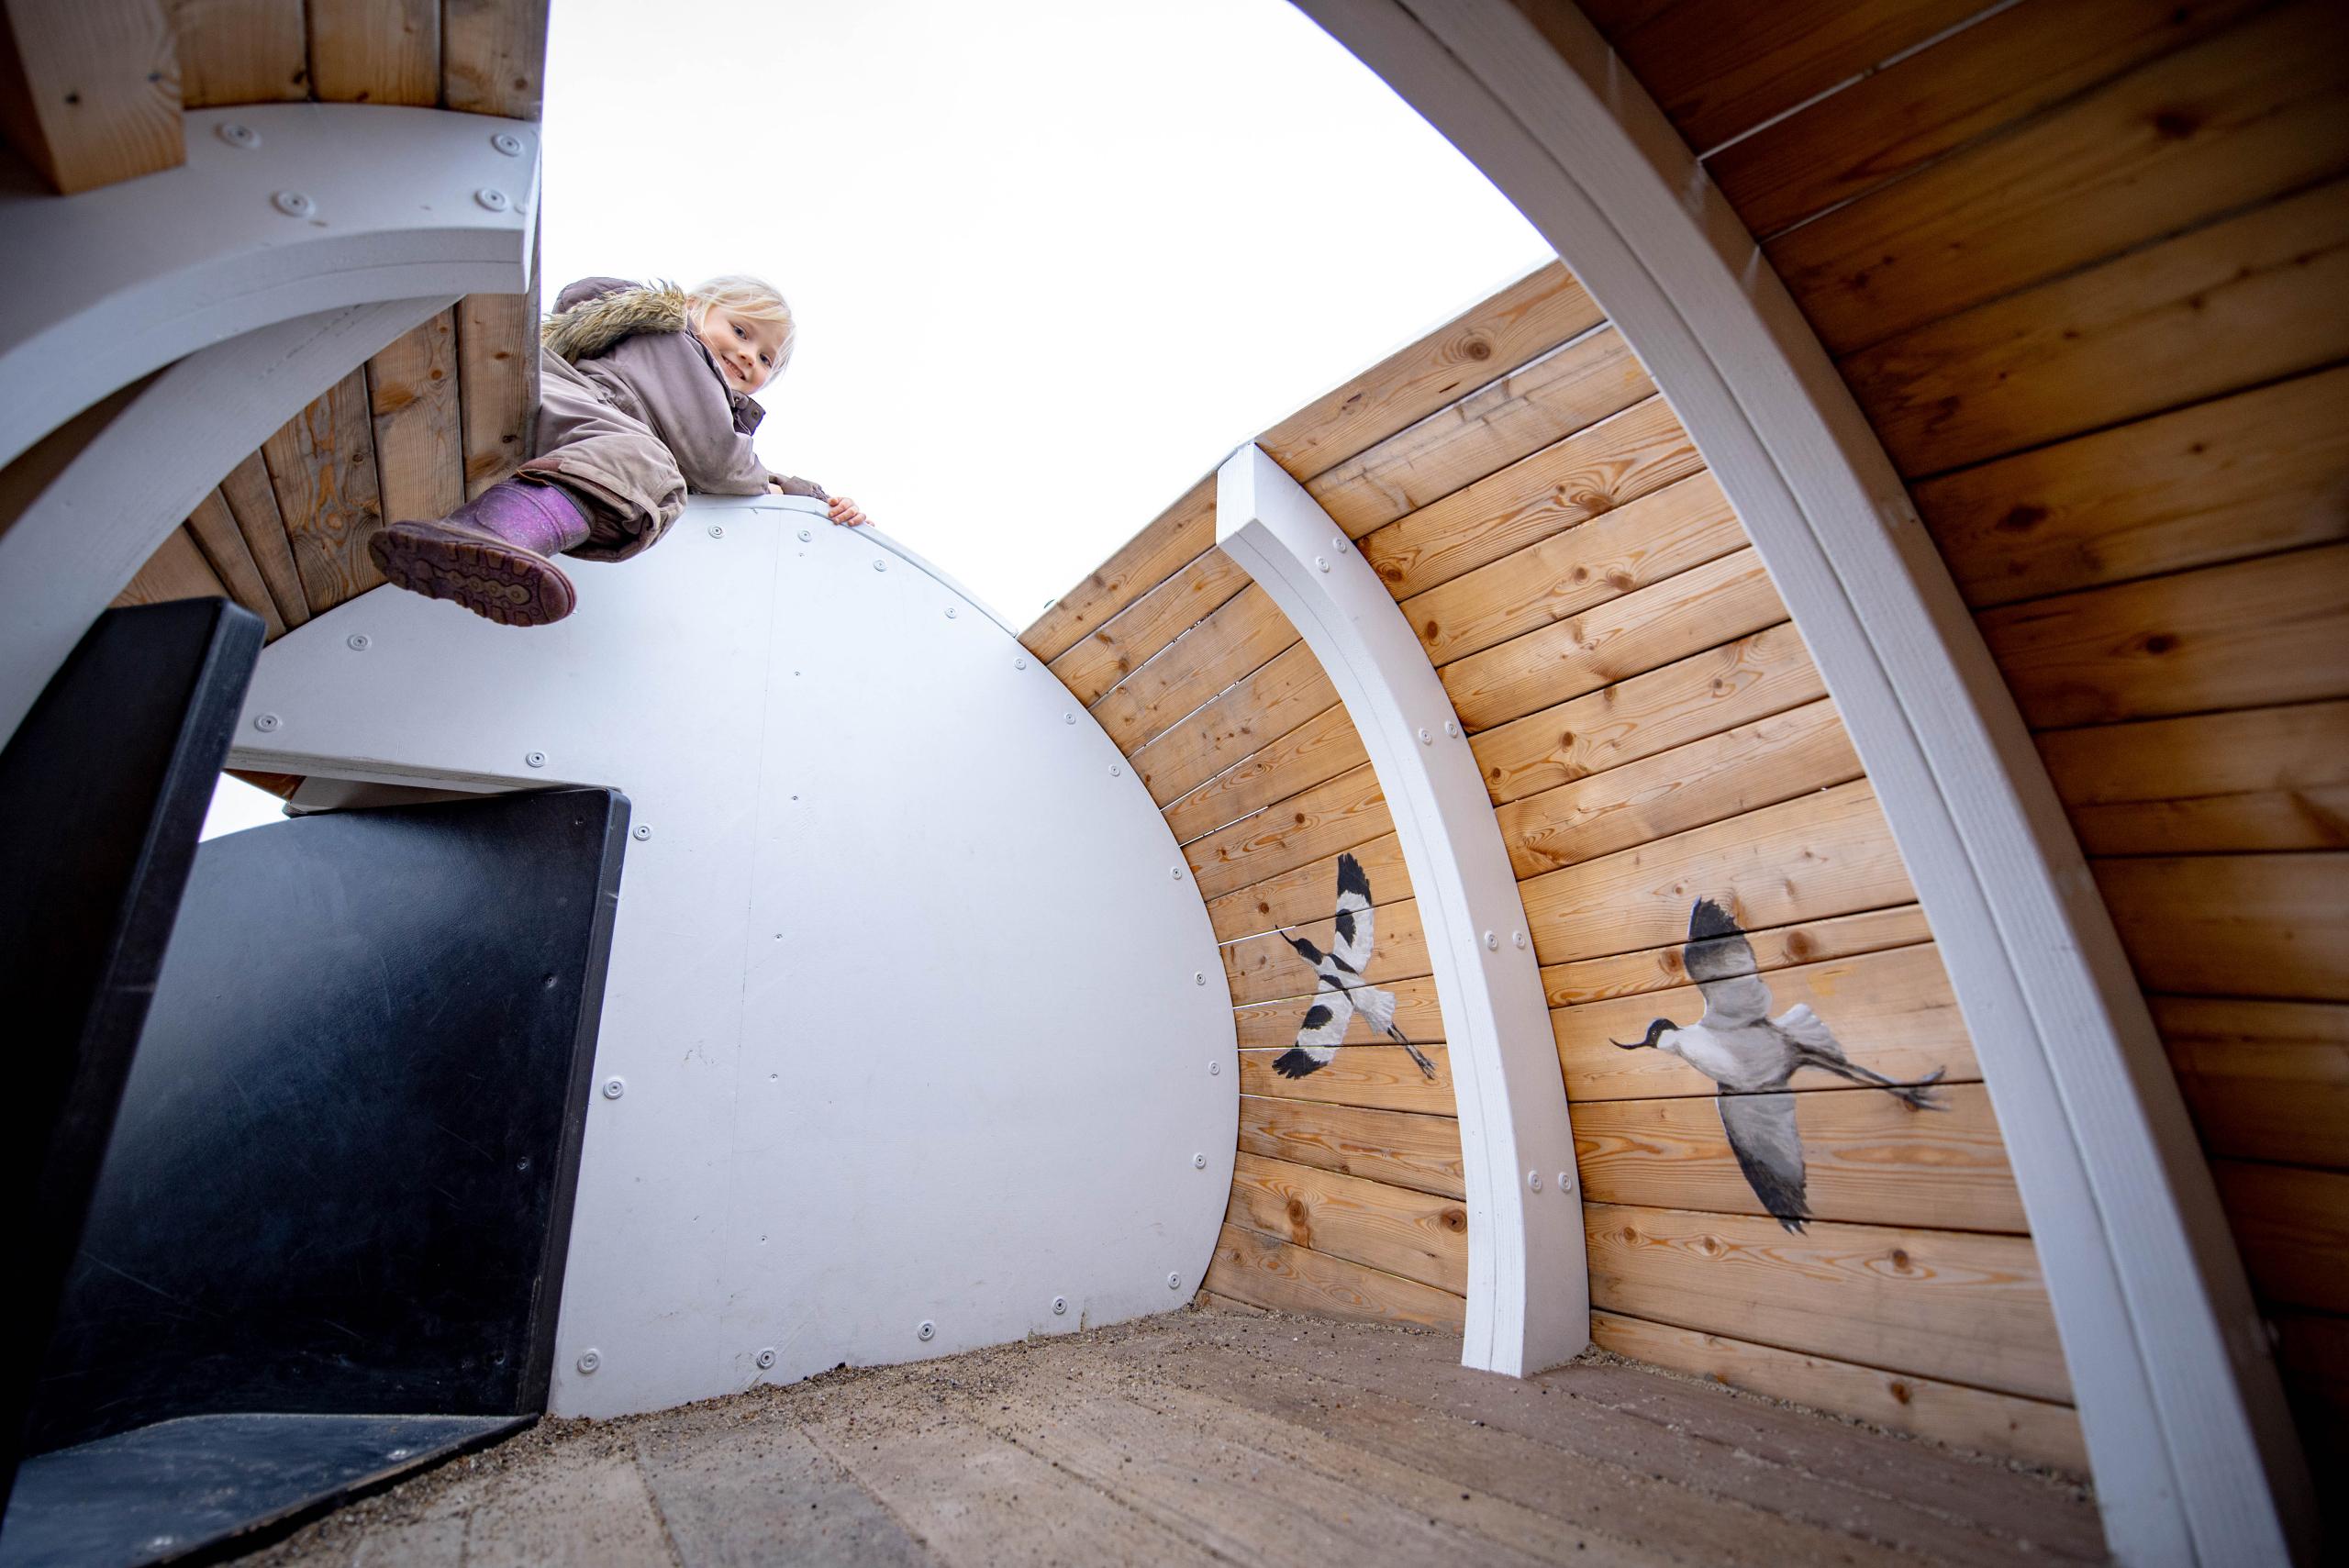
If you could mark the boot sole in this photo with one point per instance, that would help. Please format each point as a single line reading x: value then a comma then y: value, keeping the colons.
x: 498, y: 583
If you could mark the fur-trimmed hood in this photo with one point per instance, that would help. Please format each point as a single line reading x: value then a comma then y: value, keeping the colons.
x: 594, y: 325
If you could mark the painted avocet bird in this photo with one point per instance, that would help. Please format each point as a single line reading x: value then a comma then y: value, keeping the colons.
x: 1751, y: 1056
x: 1341, y: 992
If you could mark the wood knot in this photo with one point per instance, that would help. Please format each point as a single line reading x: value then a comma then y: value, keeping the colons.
x: 1296, y: 1210
x: 1430, y: 630
x: 1901, y: 1391
x: 2160, y: 642
x: 1454, y: 1220
x: 2176, y: 124
x: 1798, y: 945
x: 1900, y: 1260
x: 1479, y: 350
x: 2022, y: 519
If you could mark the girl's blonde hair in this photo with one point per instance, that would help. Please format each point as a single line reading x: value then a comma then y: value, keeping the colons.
x: 752, y: 298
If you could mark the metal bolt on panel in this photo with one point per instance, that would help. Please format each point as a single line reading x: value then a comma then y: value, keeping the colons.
x: 717, y: 530
x: 506, y: 141
x: 766, y: 1357
x: 536, y: 759
x: 640, y: 832
x: 266, y: 722
x: 1060, y: 1306
x: 590, y: 1360
x: 492, y: 198
x: 615, y: 1087
x: 237, y: 135
x: 358, y: 641
x: 292, y: 204
x: 928, y: 1330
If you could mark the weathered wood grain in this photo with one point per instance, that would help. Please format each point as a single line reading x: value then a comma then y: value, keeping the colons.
x: 1422, y: 1152
x: 1268, y: 703
x: 1585, y: 475
x: 1642, y: 543
x: 1703, y: 607
x: 2292, y: 1226
x: 1267, y: 969
x: 1243, y: 636
x: 322, y: 468
x: 2264, y: 1080
x: 1323, y: 820
x: 1867, y: 1159
x: 1304, y: 894
x: 1269, y: 1026
x: 1950, y: 1413
x: 1687, y: 700
x: 2236, y: 477
x: 1662, y: 968
x: 240, y: 51
x: 254, y: 503
x: 2266, y: 925
x: 1178, y: 534
x: 1722, y: 775
x: 2243, y: 635
x: 176, y: 571
x: 375, y: 51
x: 1575, y: 384
x: 90, y: 93
x: 1379, y: 1078
x: 1395, y: 1229
x: 497, y: 376
x: 215, y: 529
x: 1825, y: 854
x: 1264, y: 1271
x: 2241, y: 301
x: 2009, y: 66
x: 1944, y: 1304
x: 1893, y: 1012
x: 2260, y: 110
x: 494, y: 56
x: 1138, y: 633
x: 2253, y: 779
x: 419, y: 442
x: 1321, y: 749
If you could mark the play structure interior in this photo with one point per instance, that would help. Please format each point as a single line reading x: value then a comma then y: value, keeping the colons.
x: 1769, y: 799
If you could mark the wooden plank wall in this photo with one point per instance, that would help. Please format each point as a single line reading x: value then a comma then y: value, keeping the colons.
x: 2083, y: 263
x: 1651, y: 730
x: 439, y: 416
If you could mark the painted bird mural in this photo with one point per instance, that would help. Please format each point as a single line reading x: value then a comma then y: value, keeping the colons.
x: 1751, y: 1056
x: 1339, y: 991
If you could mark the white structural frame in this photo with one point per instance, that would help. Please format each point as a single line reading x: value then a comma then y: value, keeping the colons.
x: 280, y: 210
x: 112, y: 507
x: 2193, y: 1450
x: 1528, y: 1273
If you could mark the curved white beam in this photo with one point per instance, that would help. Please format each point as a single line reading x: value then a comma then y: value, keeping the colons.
x: 280, y: 210
x: 1529, y: 1279
x: 2193, y: 1450
x: 88, y: 533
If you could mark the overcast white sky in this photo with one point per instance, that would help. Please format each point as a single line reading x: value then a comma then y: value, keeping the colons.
x: 1052, y: 259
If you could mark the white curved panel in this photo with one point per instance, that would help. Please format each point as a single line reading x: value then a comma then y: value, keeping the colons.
x: 88, y: 533
x: 2193, y: 1448
x: 313, y: 207
x: 1529, y: 1277
x: 914, y: 1020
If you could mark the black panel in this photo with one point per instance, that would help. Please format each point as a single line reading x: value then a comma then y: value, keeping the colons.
x: 102, y: 790
x: 342, y: 1173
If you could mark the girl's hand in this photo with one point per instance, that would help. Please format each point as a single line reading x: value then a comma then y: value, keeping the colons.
x: 848, y: 514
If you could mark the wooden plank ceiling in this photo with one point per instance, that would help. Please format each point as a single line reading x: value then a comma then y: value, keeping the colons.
x: 437, y: 416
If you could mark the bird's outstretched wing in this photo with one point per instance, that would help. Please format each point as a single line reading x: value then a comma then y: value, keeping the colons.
x: 1721, y: 961
x: 1810, y: 1031
x: 1356, y: 922
x: 1768, y: 1146
x: 1318, y: 1037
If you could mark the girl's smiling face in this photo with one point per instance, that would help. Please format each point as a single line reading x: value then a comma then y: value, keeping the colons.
x: 747, y: 351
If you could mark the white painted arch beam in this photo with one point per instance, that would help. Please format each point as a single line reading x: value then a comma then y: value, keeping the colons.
x: 2193, y: 1450
x: 1529, y: 1282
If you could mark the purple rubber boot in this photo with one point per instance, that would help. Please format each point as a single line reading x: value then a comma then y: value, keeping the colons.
x: 492, y: 554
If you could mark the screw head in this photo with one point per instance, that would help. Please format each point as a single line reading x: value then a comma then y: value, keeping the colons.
x: 1533, y: 1180
x: 950, y: 612
x: 1337, y: 544
x: 358, y: 641
x: 717, y: 530
x: 879, y: 565
x: 1427, y: 737
x: 1492, y: 941
x: 640, y: 832
x: 536, y: 759
x: 928, y: 1330
x: 1060, y: 1306
x: 1452, y: 727
x: 237, y: 135
x: 292, y: 204
x: 1115, y: 772
x: 765, y: 1358
x: 523, y: 1164
x: 1068, y: 718
x: 1517, y: 938
x: 493, y: 198
x: 506, y: 141
x: 1019, y: 663
x: 1565, y: 1180
x: 266, y: 722
x: 1198, y: 1161
x: 1174, y: 1282
x: 1199, y: 977
x: 1174, y: 871
x: 804, y: 535
x: 399, y: 1453
x: 614, y: 1088
x: 1214, y: 1068
x: 1322, y: 562
x: 589, y: 1360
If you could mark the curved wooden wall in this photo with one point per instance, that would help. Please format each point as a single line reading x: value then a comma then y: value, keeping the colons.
x: 441, y: 414
x: 1651, y: 730
x: 2083, y: 265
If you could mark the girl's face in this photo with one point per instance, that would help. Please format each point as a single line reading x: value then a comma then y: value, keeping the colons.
x: 747, y: 351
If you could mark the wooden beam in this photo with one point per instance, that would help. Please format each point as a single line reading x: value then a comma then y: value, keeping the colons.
x: 1413, y: 1234
x: 1272, y: 700
x: 176, y: 571
x: 1317, y: 749
x: 2293, y: 1228
x: 2250, y: 779
x: 1242, y: 636
x: 322, y: 469
x: 1264, y: 1271
x: 2264, y: 1080
x: 216, y: 531
x: 242, y: 51
x: 1325, y: 820
x: 375, y: 51
x: 252, y: 500
x: 90, y: 92
x: 1303, y: 893
x: 412, y: 396
x: 494, y: 56
x: 2271, y: 926
x: 1422, y: 1152
x: 498, y: 371
x: 1139, y: 632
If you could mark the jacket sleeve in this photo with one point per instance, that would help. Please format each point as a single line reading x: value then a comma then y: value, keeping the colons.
x: 689, y: 411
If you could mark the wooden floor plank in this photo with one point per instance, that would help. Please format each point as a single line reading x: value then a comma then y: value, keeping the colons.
x: 322, y: 468
x: 254, y: 503
x: 214, y: 528
x: 732, y: 1498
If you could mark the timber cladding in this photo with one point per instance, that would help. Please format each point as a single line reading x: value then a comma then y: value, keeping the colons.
x: 2083, y: 265
x: 1654, y: 736
x: 438, y: 415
